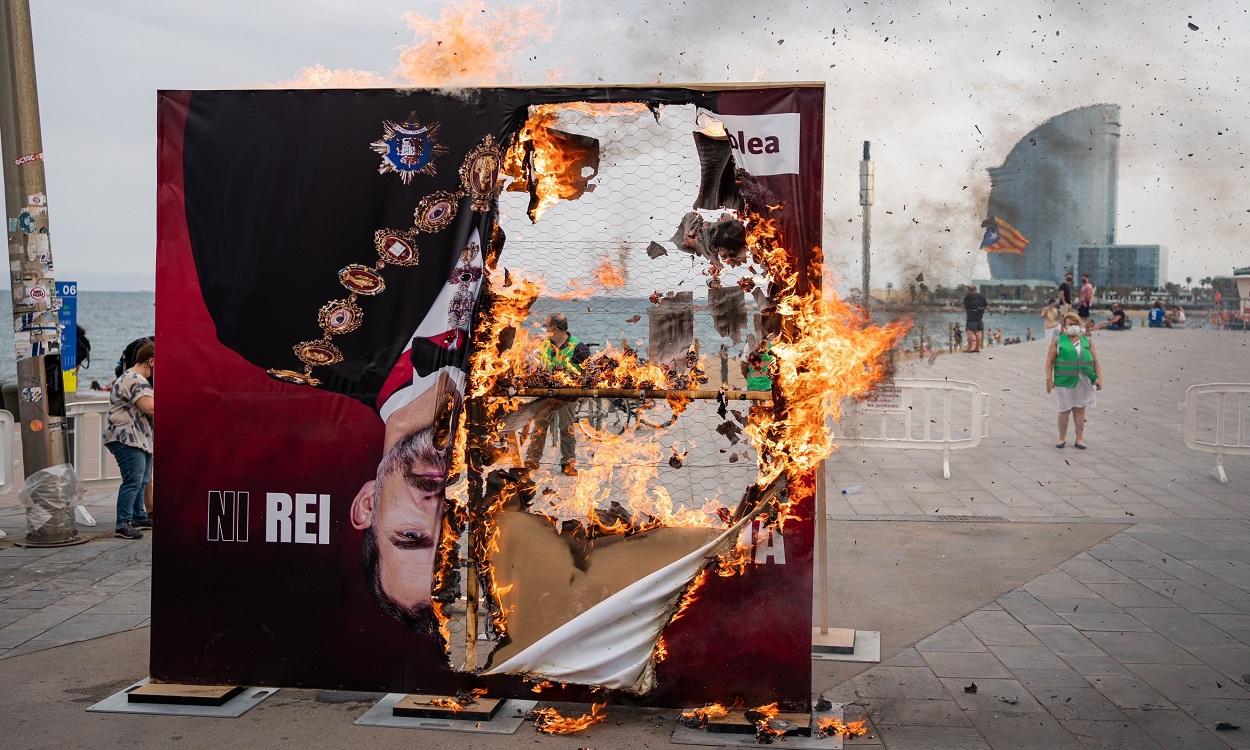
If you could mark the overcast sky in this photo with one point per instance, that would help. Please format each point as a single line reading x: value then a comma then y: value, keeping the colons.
x: 942, y: 89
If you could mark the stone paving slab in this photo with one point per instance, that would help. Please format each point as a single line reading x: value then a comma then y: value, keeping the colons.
x: 1137, y: 466
x: 1137, y: 677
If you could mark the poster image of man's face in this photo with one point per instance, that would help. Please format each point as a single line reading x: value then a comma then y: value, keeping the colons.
x: 400, y: 513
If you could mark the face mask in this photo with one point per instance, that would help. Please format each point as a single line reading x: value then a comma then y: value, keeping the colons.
x: 1073, y: 330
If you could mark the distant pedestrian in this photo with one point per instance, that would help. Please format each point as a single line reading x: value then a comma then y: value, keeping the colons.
x: 1050, y: 320
x: 957, y: 334
x: 128, y: 436
x: 974, y: 324
x: 1073, y: 373
x: 1065, y: 295
x: 1085, y: 299
x: 1028, y: 334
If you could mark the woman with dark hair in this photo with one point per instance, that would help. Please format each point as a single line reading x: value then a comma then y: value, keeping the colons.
x: 128, y: 436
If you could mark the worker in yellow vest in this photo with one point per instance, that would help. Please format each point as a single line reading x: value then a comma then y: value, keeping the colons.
x: 1073, y: 373
x: 559, y: 351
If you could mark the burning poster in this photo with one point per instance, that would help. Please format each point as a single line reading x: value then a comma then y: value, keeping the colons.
x: 415, y: 437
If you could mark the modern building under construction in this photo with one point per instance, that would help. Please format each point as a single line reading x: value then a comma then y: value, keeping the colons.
x: 1057, y: 186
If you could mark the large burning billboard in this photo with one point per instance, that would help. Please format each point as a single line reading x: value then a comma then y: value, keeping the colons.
x: 516, y: 389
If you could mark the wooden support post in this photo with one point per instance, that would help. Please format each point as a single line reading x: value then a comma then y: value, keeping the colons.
x: 470, y: 618
x: 171, y: 693
x: 822, y: 548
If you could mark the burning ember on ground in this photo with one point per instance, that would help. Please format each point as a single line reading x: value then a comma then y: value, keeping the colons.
x: 698, y: 718
x: 461, y: 701
x: 831, y: 725
x: 550, y: 721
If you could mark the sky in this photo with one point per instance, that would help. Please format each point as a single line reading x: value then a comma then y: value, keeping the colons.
x: 942, y: 89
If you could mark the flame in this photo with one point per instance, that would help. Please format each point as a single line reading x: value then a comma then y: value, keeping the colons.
x: 626, y: 466
x: 762, y: 716
x: 827, y: 352
x: 451, y: 704
x: 548, y: 165
x: 607, y: 275
x: 700, y: 717
x: 831, y: 725
x: 464, y: 46
x: 550, y: 721
x: 320, y: 77
x: 541, y: 686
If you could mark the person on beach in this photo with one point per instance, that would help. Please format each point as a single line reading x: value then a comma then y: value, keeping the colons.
x: 1175, y: 318
x: 1050, y: 320
x: 1085, y: 299
x: 1065, y: 295
x: 1073, y: 373
x: 128, y: 436
x: 1118, y: 321
x: 957, y: 334
x: 1157, y: 316
x: 559, y: 351
x: 974, y: 309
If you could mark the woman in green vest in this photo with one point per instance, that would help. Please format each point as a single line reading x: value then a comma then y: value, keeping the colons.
x: 1073, y: 372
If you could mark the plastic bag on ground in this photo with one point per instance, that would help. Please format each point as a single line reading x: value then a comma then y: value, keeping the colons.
x: 48, y: 496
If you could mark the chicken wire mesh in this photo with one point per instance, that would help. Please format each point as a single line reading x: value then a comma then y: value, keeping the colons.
x: 608, y: 262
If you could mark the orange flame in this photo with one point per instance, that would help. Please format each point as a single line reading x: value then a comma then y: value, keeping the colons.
x: 553, y: 164
x: 827, y: 352
x: 607, y: 275
x: 831, y: 725
x: 451, y: 704
x: 551, y: 721
x: 700, y: 717
x: 464, y: 46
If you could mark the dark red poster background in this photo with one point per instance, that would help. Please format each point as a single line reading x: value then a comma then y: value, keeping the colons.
x: 282, y: 614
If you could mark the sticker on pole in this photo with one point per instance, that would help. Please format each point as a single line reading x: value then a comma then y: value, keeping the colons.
x: 885, y: 398
x: 36, y: 425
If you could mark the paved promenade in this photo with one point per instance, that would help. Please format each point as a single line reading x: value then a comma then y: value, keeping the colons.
x: 1096, y: 599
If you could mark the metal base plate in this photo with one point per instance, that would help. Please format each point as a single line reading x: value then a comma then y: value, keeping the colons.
x: 867, y: 649
x: 119, y: 703
x: 506, y: 721
x: 74, y: 540
x: 684, y: 735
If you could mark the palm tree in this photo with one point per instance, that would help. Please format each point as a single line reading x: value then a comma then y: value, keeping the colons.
x: 1189, y: 280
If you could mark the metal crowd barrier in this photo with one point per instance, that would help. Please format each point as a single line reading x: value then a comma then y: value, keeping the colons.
x: 92, y: 461
x: 1220, y: 434
x: 919, y: 414
x: 7, y: 435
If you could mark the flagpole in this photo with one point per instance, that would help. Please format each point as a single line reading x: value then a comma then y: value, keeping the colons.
x: 866, y: 185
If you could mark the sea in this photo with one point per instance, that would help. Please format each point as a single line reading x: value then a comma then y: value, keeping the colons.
x: 111, y: 320
x: 114, y: 319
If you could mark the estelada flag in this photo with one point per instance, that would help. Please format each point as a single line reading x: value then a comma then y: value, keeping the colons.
x: 1001, y: 237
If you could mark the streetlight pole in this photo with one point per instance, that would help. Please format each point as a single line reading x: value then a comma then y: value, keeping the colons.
x: 48, y: 491
x: 866, y: 180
